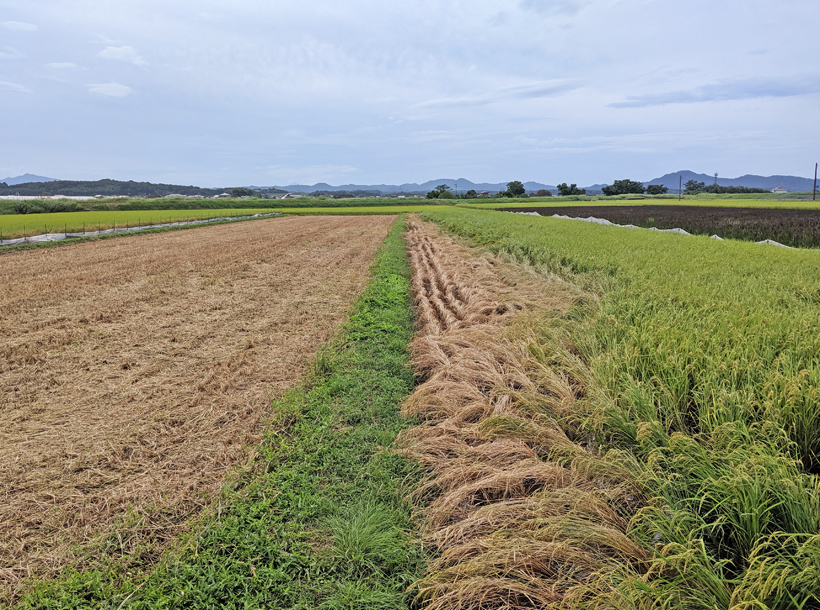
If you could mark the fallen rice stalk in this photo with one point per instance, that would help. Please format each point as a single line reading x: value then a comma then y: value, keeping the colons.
x: 522, y: 514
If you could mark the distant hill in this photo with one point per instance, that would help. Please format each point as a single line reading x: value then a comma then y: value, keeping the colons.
x: 26, y: 178
x: 106, y: 188
x: 792, y: 184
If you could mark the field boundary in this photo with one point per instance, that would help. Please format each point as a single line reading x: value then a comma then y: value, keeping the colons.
x: 117, y: 235
x: 53, y: 237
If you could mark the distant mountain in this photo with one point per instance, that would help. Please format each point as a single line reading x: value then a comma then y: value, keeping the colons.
x: 27, y: 178
x: 412, y: 187
x: 790, y: 183
x: 107, y: 188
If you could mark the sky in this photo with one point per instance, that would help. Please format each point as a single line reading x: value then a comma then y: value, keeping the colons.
x: 278, y: 92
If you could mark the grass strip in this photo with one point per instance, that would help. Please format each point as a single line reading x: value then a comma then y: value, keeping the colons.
x: 323, y: 520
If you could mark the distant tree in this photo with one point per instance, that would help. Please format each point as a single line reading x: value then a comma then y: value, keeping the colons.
x: 434, y: 194
x: 442, y: 188
x: 543, y: 193
x: 624, y: 187
x: 471, y: 194
x: 22, y: 208
x: 516, y: 188
x: 656, y: 189
x: 572, y: 189
x: 717, y: 189
x: 693, y: 187
x: 241, y: 192
x: 447, y: 195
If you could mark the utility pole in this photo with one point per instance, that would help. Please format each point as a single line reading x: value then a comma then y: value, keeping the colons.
x: 814, y: 193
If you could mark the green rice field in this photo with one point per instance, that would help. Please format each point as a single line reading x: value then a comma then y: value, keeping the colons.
x: 705, y: 384
x: 379, y: 209
x: 22, y: 225
x: 597, y: 200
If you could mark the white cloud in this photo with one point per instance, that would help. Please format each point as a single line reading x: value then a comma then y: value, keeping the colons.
x: 10, y: 53
x: 110, y: 89
x: 308, y: 175
x: 530, y: 91
x: 14, y: 87
x: 728, y: 90
x: 127, y: 54
x: 553, y: 7
x: 19, y: 26
x: 64, y: 65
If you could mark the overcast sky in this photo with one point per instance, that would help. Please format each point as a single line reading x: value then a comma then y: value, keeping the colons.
x: 219, y: 92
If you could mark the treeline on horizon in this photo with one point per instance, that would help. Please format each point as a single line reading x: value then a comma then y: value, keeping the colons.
x: 693, y: 187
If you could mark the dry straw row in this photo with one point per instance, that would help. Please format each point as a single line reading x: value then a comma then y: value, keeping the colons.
x: 521, y: 510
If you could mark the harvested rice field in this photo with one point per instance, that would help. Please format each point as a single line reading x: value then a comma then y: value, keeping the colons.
x: 136, y: 373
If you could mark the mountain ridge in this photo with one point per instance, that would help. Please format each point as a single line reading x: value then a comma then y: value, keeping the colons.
x: 36, y: 185
x: 26, y: 179
x: 790, y: 183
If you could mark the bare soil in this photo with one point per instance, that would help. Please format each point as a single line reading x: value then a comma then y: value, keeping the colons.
x: 135, y: 373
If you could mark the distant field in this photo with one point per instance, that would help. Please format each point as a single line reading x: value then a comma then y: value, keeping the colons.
x: 796, y: 228
x: 727, y: 201
x: 376, y: 209
x: 21, y: 225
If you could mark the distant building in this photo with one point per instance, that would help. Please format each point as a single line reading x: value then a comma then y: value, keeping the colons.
x: 779, y: 190
x: 221, y: 196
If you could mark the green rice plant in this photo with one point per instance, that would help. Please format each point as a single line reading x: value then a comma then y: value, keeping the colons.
x: 782, y: 575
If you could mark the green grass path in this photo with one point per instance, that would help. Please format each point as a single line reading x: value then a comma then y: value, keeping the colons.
x: 323, y: 521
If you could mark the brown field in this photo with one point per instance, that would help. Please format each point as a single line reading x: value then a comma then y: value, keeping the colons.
x: 134, y: 373
x: 520, y: 506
